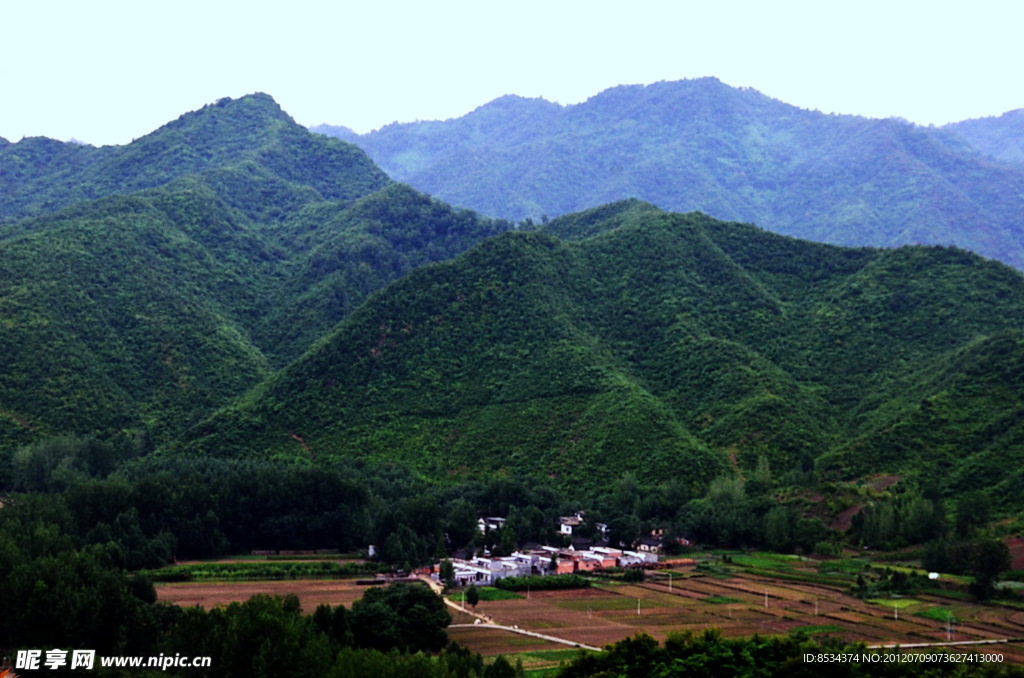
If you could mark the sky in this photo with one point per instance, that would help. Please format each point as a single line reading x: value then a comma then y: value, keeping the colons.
x: 109, y: 71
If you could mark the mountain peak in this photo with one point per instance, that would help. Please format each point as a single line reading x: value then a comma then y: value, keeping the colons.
x: 238, y: 143
x: 256, y: 101
x: 249, y: 113
x: 512, y: 107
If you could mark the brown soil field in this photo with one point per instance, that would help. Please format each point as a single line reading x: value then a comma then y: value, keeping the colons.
x: 603, y: 615
x: 490, y: 641
x: 311, y: 592
x: 736, y: 605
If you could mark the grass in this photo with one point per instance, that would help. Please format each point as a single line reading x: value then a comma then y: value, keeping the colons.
x: 850, y: 565
x: 949, y: 593
x: 763, y: 561
x: 543, y: 662
x: 553, y: 655
x: 898, y: 603
x: 257, y: 570
x: 938, y: 613
x: 487, y: 594
x: 521, y: 640
x: 720, y: 600
x: 819, y: 628
x: 318, y: 556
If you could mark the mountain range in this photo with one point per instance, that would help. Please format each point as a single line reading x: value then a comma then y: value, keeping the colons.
x: 1001, y: 137
x: 235, y: 285
x: 733, y: 153
x: 155, y: 281
x: 628, y: 339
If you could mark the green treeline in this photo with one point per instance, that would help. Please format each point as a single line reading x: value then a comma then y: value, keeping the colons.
x: 58, y: 590
x: 710, y: 655
x: 148, y: 511
x: 549, y: 583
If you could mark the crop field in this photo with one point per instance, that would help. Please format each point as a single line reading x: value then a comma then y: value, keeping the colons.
x: 747, y: 604
x: 740, y: 601
x: 311, y: 592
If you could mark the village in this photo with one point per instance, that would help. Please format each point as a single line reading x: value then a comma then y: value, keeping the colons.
x: 579, y: 555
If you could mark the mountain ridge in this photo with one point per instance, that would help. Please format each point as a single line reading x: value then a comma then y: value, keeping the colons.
x: 169, y: 294
x: 645, y: 348
x: 734, y: 153
x: 293, y: 302
x: 235, y: 143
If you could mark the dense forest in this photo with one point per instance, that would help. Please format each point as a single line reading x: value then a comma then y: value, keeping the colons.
x: 146, y: 310
x: 234, y: 334
x: 663, y: 346
x: 1001, y: 137
x: 733, y: 153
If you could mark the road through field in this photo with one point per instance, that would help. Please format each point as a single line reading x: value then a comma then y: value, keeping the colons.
x: 484, y: 619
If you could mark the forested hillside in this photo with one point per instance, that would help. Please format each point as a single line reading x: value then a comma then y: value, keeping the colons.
x: 732, y: 153
x: 1001, y: 137
x: 249, y: 150
x: 272, y: 293
x: 654, y: 343
x: 225, y: 244
x: 234, y: 334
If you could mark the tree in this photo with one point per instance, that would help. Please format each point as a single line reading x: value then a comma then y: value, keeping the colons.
x: 990, y: 557
x: 778, y: 532
x: 501, y: 668
x: 447, y: 573
x: 462, y: 523
x: 473, y: 596
x: 633, y: 574
x: 972, y: 511
x: 409, y: 617
x: 761, y: 480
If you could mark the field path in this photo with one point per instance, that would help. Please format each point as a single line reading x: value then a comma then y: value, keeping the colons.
x: 484, y: 619
x: 534, y: 634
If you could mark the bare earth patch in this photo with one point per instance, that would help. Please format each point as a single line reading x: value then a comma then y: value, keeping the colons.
x: 602, y: 615
x: 311, y: 592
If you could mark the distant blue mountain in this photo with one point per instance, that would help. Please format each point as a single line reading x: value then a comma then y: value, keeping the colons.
x: 733, y: 153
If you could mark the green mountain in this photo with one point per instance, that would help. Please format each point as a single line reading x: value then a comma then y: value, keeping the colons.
x: 115, y: 317
x: 264, y: 291
x: 226, y: 243
x: 734, y: 153
x: 961, y: 422
x: 344, y: 252
x: 629, y: 339
x: 1001, y: 137
x: 250, y: 151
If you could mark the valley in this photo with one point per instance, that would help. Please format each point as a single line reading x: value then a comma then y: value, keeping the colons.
x: 235, y: 335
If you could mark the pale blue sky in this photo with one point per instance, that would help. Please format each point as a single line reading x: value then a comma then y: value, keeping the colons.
x: 107, y: 71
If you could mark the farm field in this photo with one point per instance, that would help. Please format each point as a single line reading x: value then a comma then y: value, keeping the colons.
x: 741, y: 600
x: 311, y: 592
x: 736, y: 604
x: 537, y: 655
